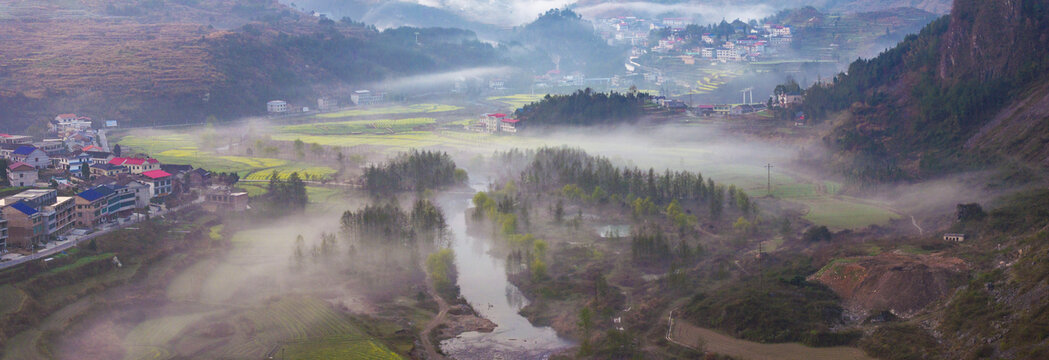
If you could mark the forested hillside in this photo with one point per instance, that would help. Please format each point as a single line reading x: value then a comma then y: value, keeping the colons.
x: 562, y: 40
x: 909, y: 112
x: 158, y: 62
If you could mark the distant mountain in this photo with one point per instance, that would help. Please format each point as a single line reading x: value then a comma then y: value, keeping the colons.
x: 970, y: 88
x: 167, y: 62
x: 561, y: 40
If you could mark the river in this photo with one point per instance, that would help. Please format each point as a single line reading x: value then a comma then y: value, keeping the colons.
x: 483, y: 282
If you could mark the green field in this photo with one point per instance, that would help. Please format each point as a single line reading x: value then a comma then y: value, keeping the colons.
x: 313, y: 173
x: 183, y: 149
x: 358, y: 127
x: 395, y: 109
x: 845, y: 213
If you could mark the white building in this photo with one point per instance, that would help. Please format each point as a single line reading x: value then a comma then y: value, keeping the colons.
x: 366, y: 97
x: 327, y: 103
x: 21, y: 174
x: 276, y: 106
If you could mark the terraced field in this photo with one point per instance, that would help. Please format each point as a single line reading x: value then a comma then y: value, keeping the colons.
x: 395, y: 109
x: 514, y: 102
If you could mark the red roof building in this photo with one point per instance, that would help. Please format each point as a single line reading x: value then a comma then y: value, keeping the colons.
x: 156, y: 174
x: 137, y: 165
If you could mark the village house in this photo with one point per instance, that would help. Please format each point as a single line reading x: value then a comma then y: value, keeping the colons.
x: 326, y: 103
x: 221, y: 199
x: 276, y: 106
x: 99, y: 157
x: 21, y: 174
x: 136, y: 165
x: 91, y: 207
x: 367, y: 97
x: 74, y: 161
x: 784, y: 100
x: 159, y: 183
x: 108, y: 169
x: 67, y: 123
x: 52, y: 147
x: 32, y: 156
x: 509, y: 125
x: 954, y: 237
x: 15, y: 139
x: 25, y: 225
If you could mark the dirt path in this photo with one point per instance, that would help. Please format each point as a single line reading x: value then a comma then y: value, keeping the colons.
x: 431, y: 349
x: 697, y: 338
x: 915, y: 222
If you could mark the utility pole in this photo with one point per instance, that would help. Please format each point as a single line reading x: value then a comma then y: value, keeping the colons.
x: 769, y: 168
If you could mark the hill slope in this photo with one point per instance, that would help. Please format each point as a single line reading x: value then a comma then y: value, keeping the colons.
x: 910, y: 112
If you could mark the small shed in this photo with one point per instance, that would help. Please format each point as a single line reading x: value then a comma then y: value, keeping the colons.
x: 954, y: 237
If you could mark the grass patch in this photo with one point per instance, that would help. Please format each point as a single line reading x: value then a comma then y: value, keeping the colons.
x: 845, y: 213
x: 11, y: 299
x: 395, y: 109
x: 215, y: 232
x: 314, y: 173
x: 340, y: 347
x: 833, y: 265
x: 253, y: 190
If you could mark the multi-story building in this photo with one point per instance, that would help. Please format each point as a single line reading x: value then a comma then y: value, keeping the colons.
x: 3, y: 233
x: 60, y: 216
x: 159, y: 182
x: 26, y: 227
x: 367, y: 97
x: 121, y: 202
x: 91, y: 206
x: 276, y: 106
x: 22, y: 174
x: 15, y: 139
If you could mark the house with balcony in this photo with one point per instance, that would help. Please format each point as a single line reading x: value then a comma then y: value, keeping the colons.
x: 136, y: 165
x: 108, y: 169
x: 91, y: 206
x: 159, y: 182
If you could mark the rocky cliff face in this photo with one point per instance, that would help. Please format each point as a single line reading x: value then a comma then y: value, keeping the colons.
x: 994, y: 38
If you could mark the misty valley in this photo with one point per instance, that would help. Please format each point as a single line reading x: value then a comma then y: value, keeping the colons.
x: 572, y: 179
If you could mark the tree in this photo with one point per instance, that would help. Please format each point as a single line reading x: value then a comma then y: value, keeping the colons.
x: 3, y: 172
x: 559, y: 211
x: 970, y: 212
x: 116, y: 150
x: 817, y: 233
x: 85, y: 171
x: 585, y: 323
